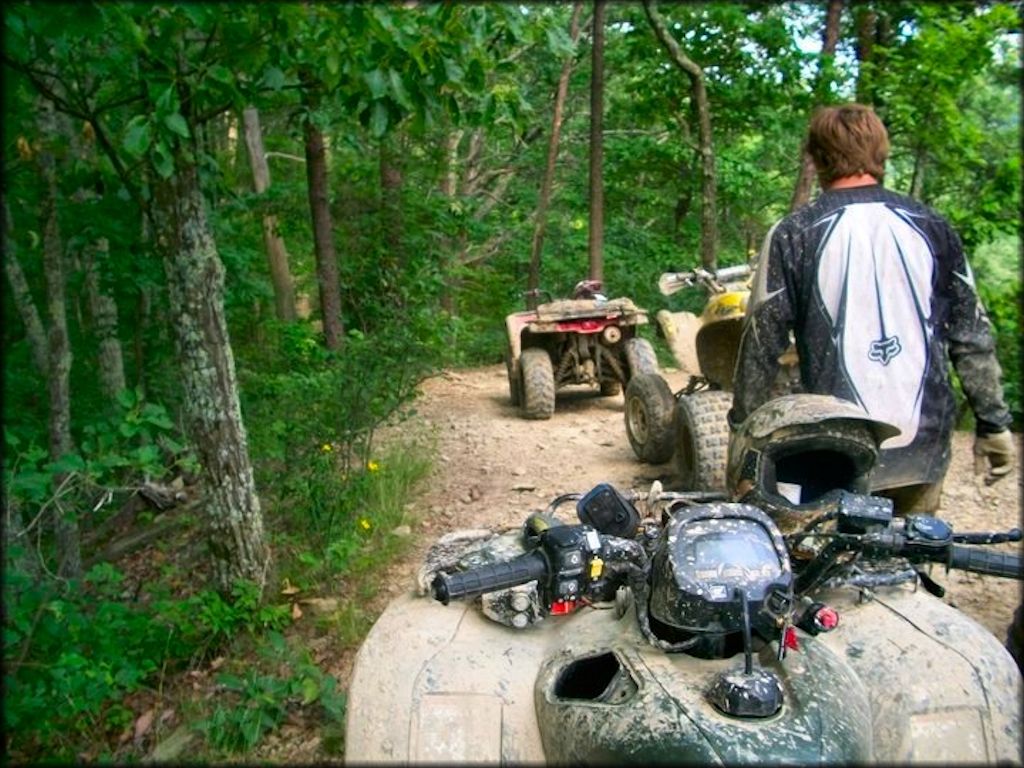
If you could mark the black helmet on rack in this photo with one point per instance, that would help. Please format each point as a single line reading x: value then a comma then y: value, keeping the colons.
x: 795, y: 453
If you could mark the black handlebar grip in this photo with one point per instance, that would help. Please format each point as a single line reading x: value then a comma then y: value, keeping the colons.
x: 990, y: 563
x: 488, y: 578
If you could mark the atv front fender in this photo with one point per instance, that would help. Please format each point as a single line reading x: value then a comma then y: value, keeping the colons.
x: 680, y: 331
x: 434, y: 684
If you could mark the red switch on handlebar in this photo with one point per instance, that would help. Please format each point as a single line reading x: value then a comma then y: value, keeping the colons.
x: 826, y: 619
x: 818, y: 618
x: 563, y: 607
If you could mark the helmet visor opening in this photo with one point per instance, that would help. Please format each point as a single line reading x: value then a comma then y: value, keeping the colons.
x: 804, y: 476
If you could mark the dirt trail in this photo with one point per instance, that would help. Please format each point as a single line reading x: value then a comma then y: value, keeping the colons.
x: 495, y: 467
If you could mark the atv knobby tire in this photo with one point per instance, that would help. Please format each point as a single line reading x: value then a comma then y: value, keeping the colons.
x: 702, y: 439
x: 640, y: 357
x: 538, y: 384
x: 649, y: 406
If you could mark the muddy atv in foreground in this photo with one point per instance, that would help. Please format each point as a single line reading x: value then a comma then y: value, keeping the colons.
x: 698, y: 634
x: 588, y: 340
x: 689, y: 426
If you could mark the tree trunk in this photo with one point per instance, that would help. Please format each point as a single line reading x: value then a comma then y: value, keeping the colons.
x: 323, y: 231
x: 596, y: 240
x: 472, y: 163
x: 865, y: 22
x: 23, y: 300
x: 449, y: 186
x: 709, y: 216
x: 69, y: 554
x: 195, y: 284
x: 104, y: 318
x: 537, y: 246
x: 277, y: 254
x: 917, y: 180
x: 829, y: 39
x: 391, y: 205
x: 18, y: 553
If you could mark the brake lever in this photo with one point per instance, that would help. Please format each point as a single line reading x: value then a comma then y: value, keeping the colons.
x: 1014, y: 534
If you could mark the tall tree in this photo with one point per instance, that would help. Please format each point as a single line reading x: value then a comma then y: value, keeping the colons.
x: 829, y: 39
x: 59, y: 347
x: 195, y: 283
x: 103, y: 311
x: 320, y: 211
x: 709, y: 214
x: 277, y: 254
x: 596, y: 233
x: 23, y: 301
x: 537, y: 245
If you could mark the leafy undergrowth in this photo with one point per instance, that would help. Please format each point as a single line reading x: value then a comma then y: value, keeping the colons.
x: 141, y: 660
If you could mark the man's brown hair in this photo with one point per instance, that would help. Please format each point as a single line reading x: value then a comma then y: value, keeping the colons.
x: 847, y: 140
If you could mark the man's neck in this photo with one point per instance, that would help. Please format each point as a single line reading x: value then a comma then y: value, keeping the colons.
x: 859, y: 180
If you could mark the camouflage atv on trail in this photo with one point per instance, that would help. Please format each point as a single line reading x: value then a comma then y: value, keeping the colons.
x: 684, y: 628
x: 588, y: 340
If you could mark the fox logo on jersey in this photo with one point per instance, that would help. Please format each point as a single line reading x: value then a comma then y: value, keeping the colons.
x: 884, y: 349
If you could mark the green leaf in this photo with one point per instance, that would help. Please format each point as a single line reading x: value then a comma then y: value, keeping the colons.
x: 398, y: 89
x: 376, y: 82
x: 138, y: 136
x: 69, y: 462
x: 378, y: 119
x: 147, y: 454
x: 176, y: 122
x: 167, y: 101
x: 310, y: 690
x: 230, y: 681
x: 157, y: 416
x: 221, y: 74
x: 162, y: 161
x: 476, y: 78
x: 274, y: 78
x: 127, y: 398
x: 453, y: 71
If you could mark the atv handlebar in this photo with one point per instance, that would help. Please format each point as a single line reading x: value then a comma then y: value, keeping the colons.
x: 572, y: 562
x: 670, y: 282
x: 1003, y: 564
x: 564, y: 560
x: 952, y: 555
x: 917, y: 538
x: 489, y: 578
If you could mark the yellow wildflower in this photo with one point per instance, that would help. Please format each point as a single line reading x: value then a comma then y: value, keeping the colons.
x: 372, y: 465
x: 364, y: 524
x: 326, y: 448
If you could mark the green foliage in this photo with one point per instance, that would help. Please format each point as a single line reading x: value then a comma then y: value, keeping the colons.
x: 136, y: 441
x: 253, y: 703
x: 72, y: 654
x: 997, y: 276
x: 352, y: 516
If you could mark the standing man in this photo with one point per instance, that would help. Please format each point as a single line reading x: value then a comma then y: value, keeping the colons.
x: 877, y: 292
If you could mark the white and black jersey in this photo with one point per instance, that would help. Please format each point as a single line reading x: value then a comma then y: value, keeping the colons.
x: 877, y: 292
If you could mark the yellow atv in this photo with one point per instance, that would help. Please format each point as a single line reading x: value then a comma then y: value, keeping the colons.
x: 691, y: 425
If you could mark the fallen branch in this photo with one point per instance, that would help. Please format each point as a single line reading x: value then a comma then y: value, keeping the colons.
x: 135, y: 541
